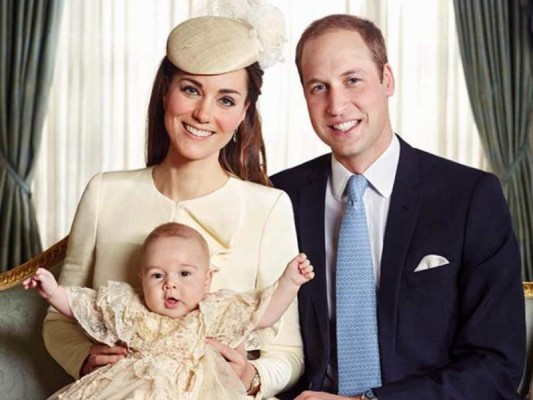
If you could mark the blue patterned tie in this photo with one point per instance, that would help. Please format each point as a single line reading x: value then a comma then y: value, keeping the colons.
x: 357, y: 334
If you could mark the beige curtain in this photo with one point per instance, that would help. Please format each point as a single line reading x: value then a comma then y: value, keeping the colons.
x: 109, y: 51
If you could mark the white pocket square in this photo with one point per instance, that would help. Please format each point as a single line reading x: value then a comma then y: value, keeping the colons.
x: 431, y: 261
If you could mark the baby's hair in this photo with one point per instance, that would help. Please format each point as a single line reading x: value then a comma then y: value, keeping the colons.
x: 175, y: 229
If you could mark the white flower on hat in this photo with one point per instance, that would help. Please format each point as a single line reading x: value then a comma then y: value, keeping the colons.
x: 268, y: 30
x: 266, y: 21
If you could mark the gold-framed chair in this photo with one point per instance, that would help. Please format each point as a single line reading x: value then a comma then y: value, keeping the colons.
x: 28, y: 372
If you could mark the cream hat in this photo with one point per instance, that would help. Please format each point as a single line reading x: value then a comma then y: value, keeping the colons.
x: 217, y: 44
x: 211, y: 45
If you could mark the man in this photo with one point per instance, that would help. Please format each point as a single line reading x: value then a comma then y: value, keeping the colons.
x: 448, y: 304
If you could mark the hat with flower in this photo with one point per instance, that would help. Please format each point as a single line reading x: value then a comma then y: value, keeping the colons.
x: 232, y: 35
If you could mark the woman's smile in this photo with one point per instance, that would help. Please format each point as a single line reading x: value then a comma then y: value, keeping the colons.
x: 199, y: 133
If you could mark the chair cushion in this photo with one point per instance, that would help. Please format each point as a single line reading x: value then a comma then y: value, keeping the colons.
x: 26, y: 369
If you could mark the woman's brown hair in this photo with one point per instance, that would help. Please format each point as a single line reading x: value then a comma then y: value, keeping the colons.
x: 244, y: 157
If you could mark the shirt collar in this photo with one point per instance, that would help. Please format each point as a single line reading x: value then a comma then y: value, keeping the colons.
x: 380, y: 174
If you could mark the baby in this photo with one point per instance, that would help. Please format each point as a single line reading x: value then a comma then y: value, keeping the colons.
x: 166, y: 328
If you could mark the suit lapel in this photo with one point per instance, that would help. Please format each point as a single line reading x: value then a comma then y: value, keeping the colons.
x: 401, y: 221
x: 311, y: 232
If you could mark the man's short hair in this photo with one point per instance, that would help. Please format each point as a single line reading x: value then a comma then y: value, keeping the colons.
x: 370, y: 33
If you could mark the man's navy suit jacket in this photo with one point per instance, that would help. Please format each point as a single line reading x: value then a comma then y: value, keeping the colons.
x: 452, y: 332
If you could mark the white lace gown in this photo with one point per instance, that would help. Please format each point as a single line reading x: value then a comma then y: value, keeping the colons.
x: 169, y: 358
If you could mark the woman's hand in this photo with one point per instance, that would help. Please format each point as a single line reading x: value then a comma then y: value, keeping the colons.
x: 100, y: 355
x: 237, y: 361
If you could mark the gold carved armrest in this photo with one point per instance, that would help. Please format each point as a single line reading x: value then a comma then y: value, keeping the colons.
x: 47, y: 259
x: 528, y: 289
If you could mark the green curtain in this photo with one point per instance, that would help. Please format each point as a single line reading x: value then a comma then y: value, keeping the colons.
x: 496, y: 49
x: 28, y: 38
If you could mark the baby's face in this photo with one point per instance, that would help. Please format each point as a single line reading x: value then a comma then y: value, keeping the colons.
x: 175, y: 276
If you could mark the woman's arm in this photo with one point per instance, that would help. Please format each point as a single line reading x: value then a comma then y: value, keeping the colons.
x: 281, y: 361
x: 64, y: 339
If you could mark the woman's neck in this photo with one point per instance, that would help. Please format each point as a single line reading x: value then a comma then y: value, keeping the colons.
x: 188, y: 180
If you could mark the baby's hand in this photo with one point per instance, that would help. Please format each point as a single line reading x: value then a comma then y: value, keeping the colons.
x: 43, y: 281
x: 299, y: 270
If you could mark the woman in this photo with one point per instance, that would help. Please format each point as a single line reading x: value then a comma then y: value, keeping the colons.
x: 205, y: 168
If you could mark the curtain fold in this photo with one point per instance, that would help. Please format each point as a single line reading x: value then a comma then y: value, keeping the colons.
x: 28, y: 36
x: 496, y: 48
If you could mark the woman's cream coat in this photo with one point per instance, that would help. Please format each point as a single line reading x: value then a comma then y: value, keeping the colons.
x: 251, y: 236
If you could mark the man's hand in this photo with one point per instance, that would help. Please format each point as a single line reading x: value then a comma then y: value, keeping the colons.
x: 237, y: 361
x: 310, y: 395
x: 100, y: 355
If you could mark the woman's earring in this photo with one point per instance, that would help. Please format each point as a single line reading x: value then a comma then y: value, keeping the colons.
x: 235, y: 136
